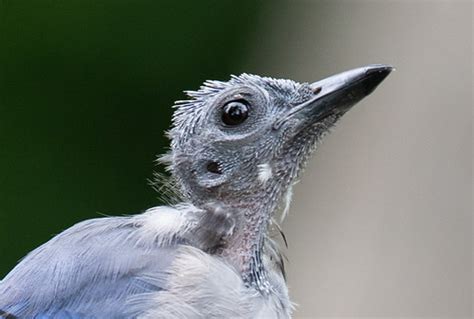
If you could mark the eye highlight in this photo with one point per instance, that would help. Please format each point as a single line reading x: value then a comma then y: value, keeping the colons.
x: 235, y: 112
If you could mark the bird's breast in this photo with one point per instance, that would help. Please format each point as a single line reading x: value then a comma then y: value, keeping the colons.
x: 201, y: 285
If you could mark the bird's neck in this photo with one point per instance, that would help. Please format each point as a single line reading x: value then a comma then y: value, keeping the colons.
x: 245, y: 248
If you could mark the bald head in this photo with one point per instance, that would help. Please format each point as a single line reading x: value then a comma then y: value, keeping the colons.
x: 248, y: 138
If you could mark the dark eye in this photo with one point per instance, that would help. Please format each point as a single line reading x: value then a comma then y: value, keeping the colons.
x: 235, y: 113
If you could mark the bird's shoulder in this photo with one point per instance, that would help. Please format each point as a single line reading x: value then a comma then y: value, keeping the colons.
x: 104, y: 259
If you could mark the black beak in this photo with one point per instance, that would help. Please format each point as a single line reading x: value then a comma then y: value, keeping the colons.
x: 338, y: 93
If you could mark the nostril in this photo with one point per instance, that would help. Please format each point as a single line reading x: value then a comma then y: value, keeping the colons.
x: 214, y: 167
x: 316, y: 90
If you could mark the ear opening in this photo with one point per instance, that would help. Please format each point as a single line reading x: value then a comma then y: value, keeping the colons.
x: 209, y: 173
x: 214, y: 167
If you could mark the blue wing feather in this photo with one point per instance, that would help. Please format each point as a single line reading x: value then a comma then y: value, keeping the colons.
x: 88, y: 271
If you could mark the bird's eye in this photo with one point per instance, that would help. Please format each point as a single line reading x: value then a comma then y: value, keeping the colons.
x: 235, y: 113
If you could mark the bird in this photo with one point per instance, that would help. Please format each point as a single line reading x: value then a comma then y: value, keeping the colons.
x: 237, y: 147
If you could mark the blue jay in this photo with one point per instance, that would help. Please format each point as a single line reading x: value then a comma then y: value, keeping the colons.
x: 237, y: 148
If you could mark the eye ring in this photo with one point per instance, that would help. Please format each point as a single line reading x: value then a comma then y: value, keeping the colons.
x: 235, y: 112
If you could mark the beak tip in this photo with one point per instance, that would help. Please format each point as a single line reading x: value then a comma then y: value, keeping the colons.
x: 374, y: 75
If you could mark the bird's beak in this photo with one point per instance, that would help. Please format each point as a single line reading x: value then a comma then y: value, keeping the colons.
x: 336, y: 94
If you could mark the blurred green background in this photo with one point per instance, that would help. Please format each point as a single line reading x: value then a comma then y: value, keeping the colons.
x: 86, y: 89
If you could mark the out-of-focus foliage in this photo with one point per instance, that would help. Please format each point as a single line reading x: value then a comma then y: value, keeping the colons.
x: 85, y: 94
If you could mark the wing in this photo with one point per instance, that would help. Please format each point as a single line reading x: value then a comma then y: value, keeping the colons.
x: 92, y: 269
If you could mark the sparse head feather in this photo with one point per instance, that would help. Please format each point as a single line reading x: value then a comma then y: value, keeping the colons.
x: 264, y: 172
x: 211, y: 160
x: 189, y: 111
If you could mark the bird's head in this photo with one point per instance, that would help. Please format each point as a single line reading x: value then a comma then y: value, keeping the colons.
x: 245, y: 141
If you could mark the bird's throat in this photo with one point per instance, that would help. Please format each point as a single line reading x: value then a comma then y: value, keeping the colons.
x: 245, y: 249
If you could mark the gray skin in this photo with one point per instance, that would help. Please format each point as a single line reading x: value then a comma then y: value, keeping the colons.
x: 209, y: 256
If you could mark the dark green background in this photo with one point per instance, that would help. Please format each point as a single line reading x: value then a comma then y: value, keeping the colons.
x: 86, y: 89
